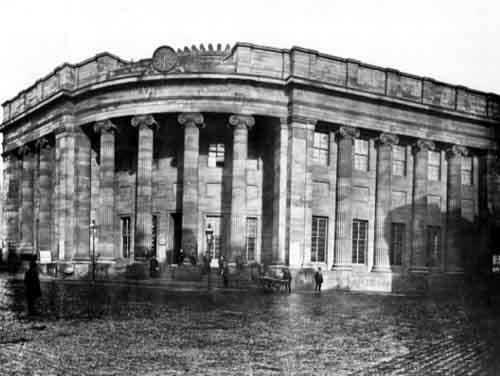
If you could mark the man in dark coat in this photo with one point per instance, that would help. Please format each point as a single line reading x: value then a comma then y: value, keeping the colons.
x: 287, y: 276
x: 318, y: 280
x: 32, y: 286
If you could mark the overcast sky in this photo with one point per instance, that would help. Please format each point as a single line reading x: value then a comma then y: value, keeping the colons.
x: 453, y: 41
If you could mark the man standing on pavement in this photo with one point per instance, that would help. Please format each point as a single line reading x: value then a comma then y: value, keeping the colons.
x: 32, y: 287
x: 318, y: 279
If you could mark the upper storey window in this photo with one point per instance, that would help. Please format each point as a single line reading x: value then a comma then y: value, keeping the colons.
x: 466, y: 171
x: 360, y: 155
x: 398, y: 160
x: 321, y: 148
x: 216, y: 155
x: 434, y: 165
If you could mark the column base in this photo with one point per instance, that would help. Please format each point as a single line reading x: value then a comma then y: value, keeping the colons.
x: 342, y: 267
x: 381, y: 269
x: 455, y: 270
x: 418, y: 269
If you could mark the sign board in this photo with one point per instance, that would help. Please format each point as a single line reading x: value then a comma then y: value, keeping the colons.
x: 495, y: 265
x: 45, y: 257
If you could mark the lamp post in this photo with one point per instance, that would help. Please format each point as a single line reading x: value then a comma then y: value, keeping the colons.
x: 93, y: 228
x: 209, y: 233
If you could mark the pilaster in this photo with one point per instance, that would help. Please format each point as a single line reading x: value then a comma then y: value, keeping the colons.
x: 106, y: 130
x: 383, y: 201
x: 419, y: 206
x: 83, y: 176
x: 280, y: 155
x: 45, y: 186
x: 240, y: 125
x: 27, y: 202
x: 190, y: 179
x: 143, y: 212
x: 454, y: 257
x: 343, y: 220
x: 65, y: 191
x: 11, y: 183
x: 299, y: 186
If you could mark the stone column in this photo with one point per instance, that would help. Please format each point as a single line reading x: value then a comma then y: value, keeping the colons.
x: 11, y: 184
x: 191, y: 122
x: 453, y: 209
x: 280, y: 156
x: 82, y: 188
x: 27, y: 216
x: 381, y: 260
x: 45, y: 187
x: 419, y: 206
x: 240, y: 124
x: 144, y: 204
x: 106, y: 129
x: 299, y: 187
x: 343, y: 220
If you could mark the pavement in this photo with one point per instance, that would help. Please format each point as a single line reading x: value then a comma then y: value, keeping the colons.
x: 146, y: 329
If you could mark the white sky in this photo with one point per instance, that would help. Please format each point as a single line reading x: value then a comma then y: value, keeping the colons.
x: 453, y: 41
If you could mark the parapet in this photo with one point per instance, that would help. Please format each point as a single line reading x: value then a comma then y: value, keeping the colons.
x: 289, y: 65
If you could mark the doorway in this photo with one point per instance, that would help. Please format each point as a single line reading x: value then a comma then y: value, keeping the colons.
x: 175, y: 237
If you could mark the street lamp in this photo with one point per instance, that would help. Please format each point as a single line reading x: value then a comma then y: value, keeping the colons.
x: 93, y: 229
x: 209, y: 233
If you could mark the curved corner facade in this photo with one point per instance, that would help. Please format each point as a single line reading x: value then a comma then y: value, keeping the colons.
x: 287, y: 157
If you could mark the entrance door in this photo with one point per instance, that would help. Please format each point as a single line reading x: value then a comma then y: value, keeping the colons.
x: 175, y: 237
x: 215, y: 223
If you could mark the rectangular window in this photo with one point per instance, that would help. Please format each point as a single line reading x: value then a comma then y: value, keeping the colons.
x: 216, y: 155
x: 434, y: 165
x: 359, y: 240
x: 321, y: 148
x: 215, y: 224
x: 397, y: 242
x: 398, y: 160
x: 466, y: 170
x: 125, y: 223
x: 251, y: 238
x: 319, y: 239
x: 433, y: 245
x: 154, y: 234
x: 361, y: 155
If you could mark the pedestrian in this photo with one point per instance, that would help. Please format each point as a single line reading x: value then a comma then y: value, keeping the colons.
x: 225, y: 273
x: 180, y: 257
x: 318, y: 280
x: 221, y: 264
x: 287, y: 276
x: 32, y: 287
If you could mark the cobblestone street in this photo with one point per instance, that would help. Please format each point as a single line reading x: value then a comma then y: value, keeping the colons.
x: 143, y: 330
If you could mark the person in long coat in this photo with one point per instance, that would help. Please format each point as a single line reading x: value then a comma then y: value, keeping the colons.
x: 32, y: 287
x: 318, y: 279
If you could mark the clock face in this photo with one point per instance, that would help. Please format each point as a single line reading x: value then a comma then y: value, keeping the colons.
x: 164, y: 59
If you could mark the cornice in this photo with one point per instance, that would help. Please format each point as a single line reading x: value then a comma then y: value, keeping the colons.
x: 70, y: 78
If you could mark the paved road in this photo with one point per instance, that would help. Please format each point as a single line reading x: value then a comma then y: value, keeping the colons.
x: 130, y: 330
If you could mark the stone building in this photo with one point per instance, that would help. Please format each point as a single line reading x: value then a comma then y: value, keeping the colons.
x: 290, y: 156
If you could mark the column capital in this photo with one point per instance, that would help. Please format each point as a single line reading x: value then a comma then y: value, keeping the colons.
x: 25, y: 150
x: 241, y: 121
x: 140, y: 121
x: 104, y: 126
x: 456, y: 151
x: 423, y: 145
x: 193, y: 119
x: 42, y: 144
x: 348, y: 132
x: 387, y: 139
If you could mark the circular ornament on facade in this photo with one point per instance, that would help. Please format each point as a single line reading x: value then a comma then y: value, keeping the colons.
x: 164, y: 59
